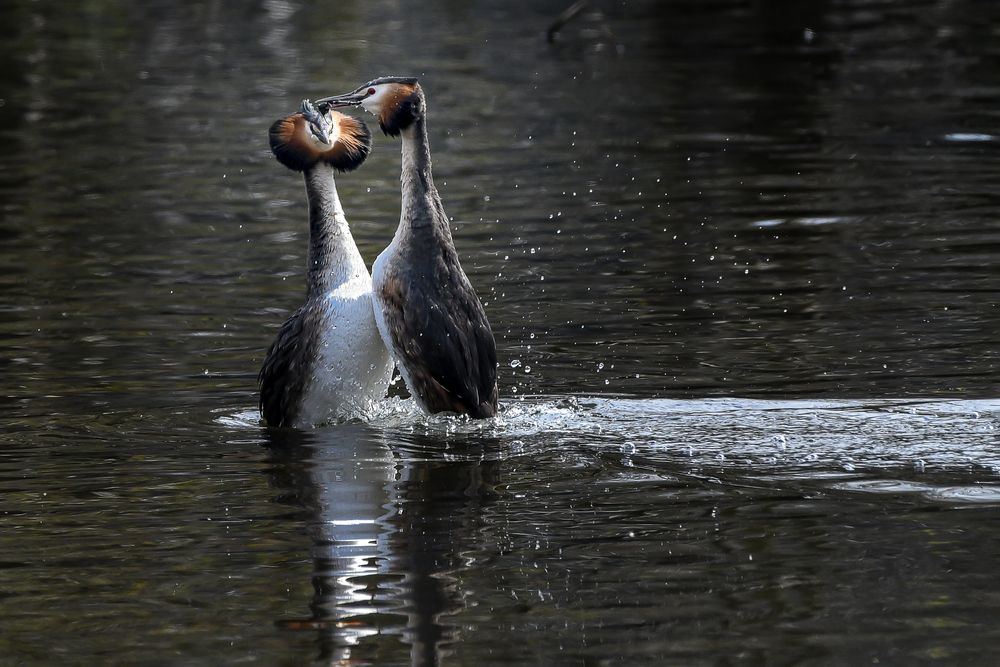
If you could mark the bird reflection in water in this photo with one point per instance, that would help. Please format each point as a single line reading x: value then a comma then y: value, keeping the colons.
x: 391, y: 527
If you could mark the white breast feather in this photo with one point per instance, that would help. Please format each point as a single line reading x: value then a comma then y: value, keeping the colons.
x: 353, y: 368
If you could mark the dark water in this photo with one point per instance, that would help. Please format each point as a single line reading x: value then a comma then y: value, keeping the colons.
x: 741, y: 260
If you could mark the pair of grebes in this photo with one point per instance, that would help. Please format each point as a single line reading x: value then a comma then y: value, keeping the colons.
x: 333, y: 358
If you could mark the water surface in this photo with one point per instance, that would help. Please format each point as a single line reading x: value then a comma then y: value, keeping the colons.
x: 740, y: 259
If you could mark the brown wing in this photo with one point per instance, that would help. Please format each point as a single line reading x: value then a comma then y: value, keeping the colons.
x: 445, y: 342
x: 283, y: 376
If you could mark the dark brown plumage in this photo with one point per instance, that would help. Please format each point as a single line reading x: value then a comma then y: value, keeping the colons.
x: 286, y: 370
x: 448, y: 353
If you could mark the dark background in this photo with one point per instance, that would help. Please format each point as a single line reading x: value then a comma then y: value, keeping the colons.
x: 673, y: 208
x: 723, y: 198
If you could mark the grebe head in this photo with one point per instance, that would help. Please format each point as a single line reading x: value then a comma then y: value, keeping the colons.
x: 396, y: 101
x: 317, y: 134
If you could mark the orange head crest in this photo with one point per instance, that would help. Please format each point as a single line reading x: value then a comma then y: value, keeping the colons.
x: 302, y: 140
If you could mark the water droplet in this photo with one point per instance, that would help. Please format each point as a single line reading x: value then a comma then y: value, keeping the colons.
x: 515, y: 363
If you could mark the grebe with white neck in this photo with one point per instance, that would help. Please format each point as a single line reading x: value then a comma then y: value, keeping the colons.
x: 328, y: 362
x: 426, y: 309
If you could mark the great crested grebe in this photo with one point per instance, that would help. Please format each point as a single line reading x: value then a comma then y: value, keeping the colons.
x: 328, y: 361
x: 427, y: 312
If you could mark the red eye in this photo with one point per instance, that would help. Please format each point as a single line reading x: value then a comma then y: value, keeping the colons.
x: 371, y: 91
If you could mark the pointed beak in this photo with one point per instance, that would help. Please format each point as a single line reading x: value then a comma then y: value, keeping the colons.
x: 348, y: 100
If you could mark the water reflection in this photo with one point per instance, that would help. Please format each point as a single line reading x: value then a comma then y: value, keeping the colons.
x: 393, y: 526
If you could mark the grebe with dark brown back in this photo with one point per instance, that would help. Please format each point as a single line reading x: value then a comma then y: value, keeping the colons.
x: 427, y: 311
x: 328, y: 361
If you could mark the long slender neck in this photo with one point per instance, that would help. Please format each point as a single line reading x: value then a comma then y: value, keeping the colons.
x: 422, y: 210
x: 333, y: 255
